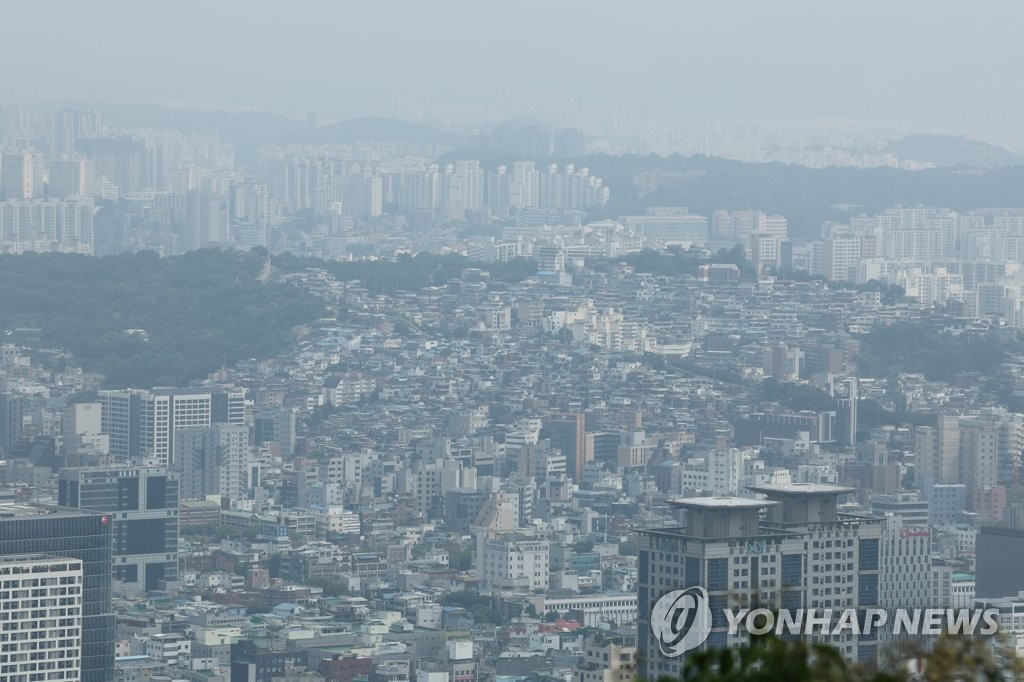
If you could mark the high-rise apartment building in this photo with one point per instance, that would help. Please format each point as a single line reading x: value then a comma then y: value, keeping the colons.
x: 69, y: 178
x: 465, y: 189
x: 142, y: 504
x: 124, y: 162
x: 74, y: 125
x: 21, y: 175
x: 82, y: 536
x: 525, y: 187
x: 47, y: 225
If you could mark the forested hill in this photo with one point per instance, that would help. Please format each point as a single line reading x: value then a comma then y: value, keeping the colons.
x: 806, y: 196
x: 200, y: 311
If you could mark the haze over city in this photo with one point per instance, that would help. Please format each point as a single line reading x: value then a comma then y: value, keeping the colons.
x: 944, y: 60
x: 511, y: 342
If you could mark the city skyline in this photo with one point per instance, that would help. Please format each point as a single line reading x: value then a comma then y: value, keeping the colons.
x: 524, y: 342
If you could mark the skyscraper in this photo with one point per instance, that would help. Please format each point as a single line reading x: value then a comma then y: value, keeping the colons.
x: 142, y: 503
x: 142, y: 424
x: 42, y: 596
x: 163, y: 412
x: 846, y: 417
x: 802, y: 555
x: 86, y: 537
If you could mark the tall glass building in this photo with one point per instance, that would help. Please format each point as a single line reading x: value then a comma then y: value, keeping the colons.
x: 82, y: 535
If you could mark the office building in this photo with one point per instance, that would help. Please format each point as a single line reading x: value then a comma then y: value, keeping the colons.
x: 81, y: 432
x: 142, y: 424
x: 910, y: 506
x: 71, y: 534
x: 13, y: 407
x: 607, y: 661
x: 979, y: 454
x: 803, y: 554
x: 568, y: 433
x: 119, y: 420
x: 41, y: 632
x: 461, y: 508
x: 946, y: 503
x: 163, y: 413
x: 142, y: 503
x: 753, y: 429
x: 846, y: 414
x: 278, y: 427
x: 841, y: 255
x: 905, y: 568
x: 999, y: 556
x: 215, y: 461
x: 251, y: 663
x: 937, y: 451
x: 512, y: 560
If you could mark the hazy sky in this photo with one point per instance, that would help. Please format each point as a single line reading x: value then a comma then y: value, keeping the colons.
x: 938, y: 59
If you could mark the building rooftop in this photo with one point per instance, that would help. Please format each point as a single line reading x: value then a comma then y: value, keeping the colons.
x: 28, y: 510
x: 720, y: 503
x: 802, y: 489
x: 34, y: 558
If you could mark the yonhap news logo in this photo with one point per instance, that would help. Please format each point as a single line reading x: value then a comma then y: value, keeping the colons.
x: 681, y: 620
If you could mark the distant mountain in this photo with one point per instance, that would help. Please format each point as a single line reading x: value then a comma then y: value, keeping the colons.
x: 247, y: 130
x: 362, y: 129
x: 946, y: 150
x: 806, y: 196
x: 234, y: 126
x: 523, y: 122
